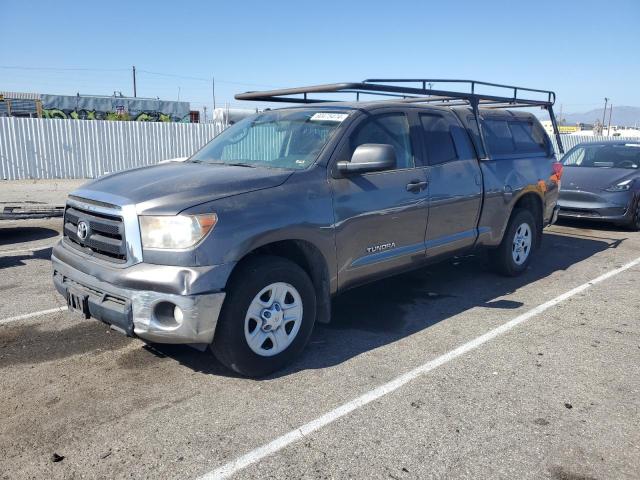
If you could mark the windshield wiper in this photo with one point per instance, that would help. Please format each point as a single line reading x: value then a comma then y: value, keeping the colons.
x: 239, y: 164
x: 233, y: 164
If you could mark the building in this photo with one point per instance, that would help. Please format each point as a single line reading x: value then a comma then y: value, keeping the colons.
x: 26, y: 105
x: 94, y: 107
x: 565, y: 129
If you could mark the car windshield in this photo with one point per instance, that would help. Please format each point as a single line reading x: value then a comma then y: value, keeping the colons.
x: 604, y: 156
x: 290, y: 139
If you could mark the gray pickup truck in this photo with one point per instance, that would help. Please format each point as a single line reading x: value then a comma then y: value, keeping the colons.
x: 241, y: 247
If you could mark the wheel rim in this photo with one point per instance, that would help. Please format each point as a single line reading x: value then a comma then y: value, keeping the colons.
x: 273, y: 319
x: 521, y: 246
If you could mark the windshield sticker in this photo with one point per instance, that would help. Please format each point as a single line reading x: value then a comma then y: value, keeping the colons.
x: 328, y: 117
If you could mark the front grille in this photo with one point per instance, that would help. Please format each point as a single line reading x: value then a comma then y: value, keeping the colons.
x: 105, y: 236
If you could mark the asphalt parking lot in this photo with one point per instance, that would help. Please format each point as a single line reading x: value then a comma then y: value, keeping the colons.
x: 552, y: 392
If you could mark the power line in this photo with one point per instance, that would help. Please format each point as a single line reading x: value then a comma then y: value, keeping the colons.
x: 201, y: 79
x: 161, y: 74
x: 63, y: 69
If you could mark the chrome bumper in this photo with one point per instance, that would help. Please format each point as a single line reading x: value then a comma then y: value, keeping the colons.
x: 147, y: 314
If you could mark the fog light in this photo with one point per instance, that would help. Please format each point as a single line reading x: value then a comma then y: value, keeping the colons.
x: 178, y: 314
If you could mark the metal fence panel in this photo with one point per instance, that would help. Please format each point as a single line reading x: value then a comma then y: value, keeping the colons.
x: 55, y: 148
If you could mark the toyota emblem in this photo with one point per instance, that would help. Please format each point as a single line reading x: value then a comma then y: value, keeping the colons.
x: 83, y: 230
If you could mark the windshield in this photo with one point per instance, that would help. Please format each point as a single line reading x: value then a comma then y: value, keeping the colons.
x: 289, y: 139
x: 604, y: 156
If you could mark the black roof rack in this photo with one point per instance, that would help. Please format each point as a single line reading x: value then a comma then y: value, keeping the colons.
x: 422, y: 91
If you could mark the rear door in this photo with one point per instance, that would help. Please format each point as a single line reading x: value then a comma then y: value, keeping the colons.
x: 455, y: 184
x: 380, y: 217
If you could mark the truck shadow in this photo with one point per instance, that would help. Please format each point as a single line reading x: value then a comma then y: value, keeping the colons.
x: 389, y: 310
x: 19, y: 259
x: 13, y: 235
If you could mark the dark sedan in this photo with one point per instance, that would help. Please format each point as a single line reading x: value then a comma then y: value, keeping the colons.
x: 601, y: 181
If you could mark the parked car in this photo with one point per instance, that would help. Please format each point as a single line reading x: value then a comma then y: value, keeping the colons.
x: 242, y: 246
x: 602, y: 182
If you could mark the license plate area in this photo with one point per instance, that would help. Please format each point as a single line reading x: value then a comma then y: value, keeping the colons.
x: 78, y: 303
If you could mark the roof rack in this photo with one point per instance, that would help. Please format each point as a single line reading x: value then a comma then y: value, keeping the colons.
x: 396, y: 89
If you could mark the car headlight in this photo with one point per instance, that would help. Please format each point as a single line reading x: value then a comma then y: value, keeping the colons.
x: 620, y: 187
x: 175, y: 231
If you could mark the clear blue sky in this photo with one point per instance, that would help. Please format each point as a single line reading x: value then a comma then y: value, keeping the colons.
x: 584, y: 50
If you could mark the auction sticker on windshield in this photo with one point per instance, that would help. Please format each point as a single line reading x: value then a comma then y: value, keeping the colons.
x: 328, y: 117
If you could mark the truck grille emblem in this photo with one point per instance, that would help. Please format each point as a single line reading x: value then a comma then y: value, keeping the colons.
x: 83, y: 230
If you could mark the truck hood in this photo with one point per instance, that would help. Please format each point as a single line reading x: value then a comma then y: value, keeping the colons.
x: 594, y: 179
x: 169, y: 188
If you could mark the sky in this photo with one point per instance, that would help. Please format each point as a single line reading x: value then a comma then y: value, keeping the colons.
x: 582, y: 50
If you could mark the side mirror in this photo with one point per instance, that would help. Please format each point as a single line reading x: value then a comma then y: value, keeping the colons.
x: 370, y: 157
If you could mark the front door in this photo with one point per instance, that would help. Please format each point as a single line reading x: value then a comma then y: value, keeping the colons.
x: 380, y: 217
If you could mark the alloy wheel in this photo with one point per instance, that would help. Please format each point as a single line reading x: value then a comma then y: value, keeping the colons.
x: 273, y: 319
x: 521, y: 246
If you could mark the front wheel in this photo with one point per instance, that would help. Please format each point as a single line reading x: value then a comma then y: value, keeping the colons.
x: 634, y: 224
x: 267, y: 317
x: 513, y: 255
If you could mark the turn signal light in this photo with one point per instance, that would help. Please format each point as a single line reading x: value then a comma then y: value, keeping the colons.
x: 557, y: 170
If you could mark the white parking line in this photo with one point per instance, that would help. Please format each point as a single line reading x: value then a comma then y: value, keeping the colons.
x: 32, y: 315
x: 254, y: 456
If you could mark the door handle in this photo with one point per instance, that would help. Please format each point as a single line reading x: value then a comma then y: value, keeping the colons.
x: 416, y: 186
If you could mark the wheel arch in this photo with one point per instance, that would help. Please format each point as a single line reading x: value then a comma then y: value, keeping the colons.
x: 533, y: 202
x: 308, y: 257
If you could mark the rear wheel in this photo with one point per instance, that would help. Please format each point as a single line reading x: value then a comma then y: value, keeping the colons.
x: 513, y: 255
x: 267, y: 317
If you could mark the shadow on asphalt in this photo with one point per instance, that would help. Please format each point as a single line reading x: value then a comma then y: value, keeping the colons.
x: 17, y: 259
x: 386, y: 311
x: 592, y: 225
x: 13, y: 235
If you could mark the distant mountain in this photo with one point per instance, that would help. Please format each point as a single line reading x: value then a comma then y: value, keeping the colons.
x: 627, y: 116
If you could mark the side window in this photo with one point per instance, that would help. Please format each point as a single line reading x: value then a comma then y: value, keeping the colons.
x: 498, y: 137
x: 526, y: 138
x: 391, y: 129
x: 576, y: 157
x: 445, y: 140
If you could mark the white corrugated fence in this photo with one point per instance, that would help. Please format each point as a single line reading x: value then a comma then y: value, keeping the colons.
x: 54, y: 148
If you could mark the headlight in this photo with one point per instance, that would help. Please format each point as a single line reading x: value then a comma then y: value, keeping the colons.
x: 175, y: 232
x: 621, y: 187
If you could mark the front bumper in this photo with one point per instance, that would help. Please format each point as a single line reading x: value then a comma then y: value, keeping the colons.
x: 145, y: 313
x: 608, y: 207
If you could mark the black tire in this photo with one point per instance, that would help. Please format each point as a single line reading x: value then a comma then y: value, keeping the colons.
x: 229, y: 343
x: 501, y: 258
x: 634, y: 223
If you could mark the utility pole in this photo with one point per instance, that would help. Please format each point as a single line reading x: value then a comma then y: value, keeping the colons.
x: 560, y: 116
x: 604, y: 112
x: 213, y: 91
x: 204, y: 109
x: 609, y: 127
x: 135, y: 93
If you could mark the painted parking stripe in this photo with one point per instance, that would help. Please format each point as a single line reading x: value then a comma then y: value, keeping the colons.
x: 32, y: 315
x: 254, y: 456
